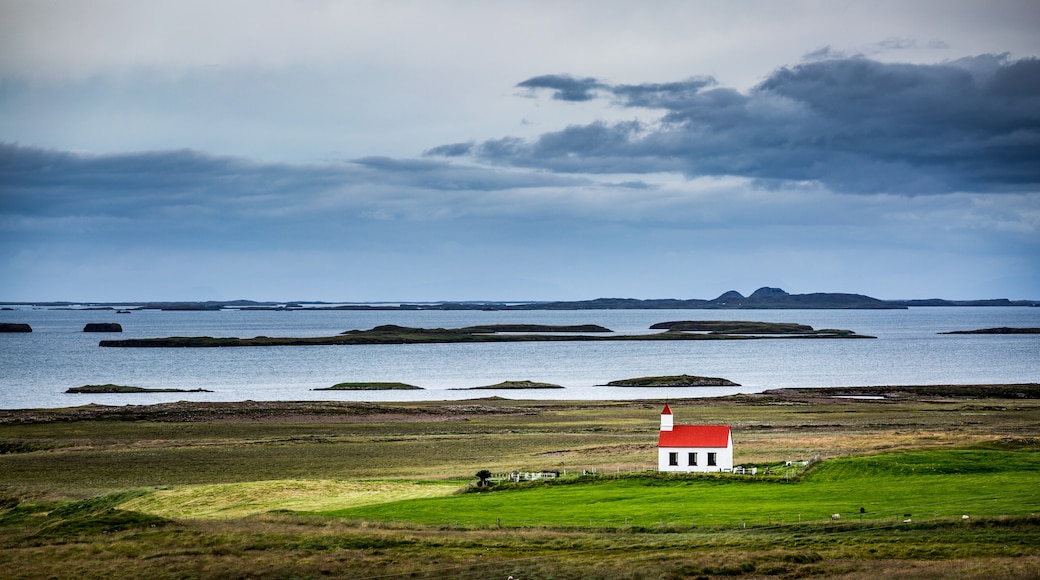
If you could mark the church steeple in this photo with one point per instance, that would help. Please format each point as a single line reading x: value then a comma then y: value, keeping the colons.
x: 666, y: 418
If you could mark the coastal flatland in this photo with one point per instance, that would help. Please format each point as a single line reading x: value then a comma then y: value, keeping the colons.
x: 361, y: 490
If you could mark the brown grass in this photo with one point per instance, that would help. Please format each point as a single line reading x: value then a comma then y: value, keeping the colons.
x: 151, y: 448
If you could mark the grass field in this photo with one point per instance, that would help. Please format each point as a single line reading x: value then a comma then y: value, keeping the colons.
x: 236, y: 500
x: 322, y: 493
x: 927, y: 484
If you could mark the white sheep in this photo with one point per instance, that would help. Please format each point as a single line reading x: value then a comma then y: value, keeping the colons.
x: 836, y: 516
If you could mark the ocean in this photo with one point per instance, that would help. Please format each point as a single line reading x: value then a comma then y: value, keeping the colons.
x: 37, y: 368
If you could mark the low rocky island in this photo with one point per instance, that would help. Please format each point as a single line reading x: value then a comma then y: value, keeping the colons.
x: 393, y: 334
x: 103, y: 327
x: 1000, y: 330
x: 123, y: 389
x: 14, y: 327
x: 514, y: 385
x: 747, y: 328
x: 673, y: 381
x: 370, y: 387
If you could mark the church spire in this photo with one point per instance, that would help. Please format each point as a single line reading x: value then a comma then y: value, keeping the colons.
x: 666, y: 418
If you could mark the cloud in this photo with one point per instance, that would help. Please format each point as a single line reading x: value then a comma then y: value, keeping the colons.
x: 37, y: 182
x: 853, y: 124
x: 825, y: 53
x: 565, y: 87
x: 416, y: 229
x: 903, y: 43
x: 48, y: 183
x: 451, y: 150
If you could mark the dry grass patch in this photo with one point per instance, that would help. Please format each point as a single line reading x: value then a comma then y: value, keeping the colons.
x: 764, y: 447
x: 238, y: 500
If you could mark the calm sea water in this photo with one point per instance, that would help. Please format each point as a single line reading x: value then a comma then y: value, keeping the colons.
x: 37, y: 368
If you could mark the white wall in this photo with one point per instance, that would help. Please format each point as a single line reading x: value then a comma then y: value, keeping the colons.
x: 724, y: 459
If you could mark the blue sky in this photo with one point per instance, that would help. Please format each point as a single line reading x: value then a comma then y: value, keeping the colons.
x: 461, y: 150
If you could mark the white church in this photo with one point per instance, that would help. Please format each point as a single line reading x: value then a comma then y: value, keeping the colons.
x: 693, y: 448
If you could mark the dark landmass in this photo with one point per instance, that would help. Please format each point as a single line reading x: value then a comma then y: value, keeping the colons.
x: 673, y: 381
x: 95, y: 389
x: 346, y: 411
x: 103, y: 327
x: 263, y: 411
x: 1000, y: 330
x: 370, y: 387
x: 514, y: 385
x: 916, y: 392
x: 993, y: 302
x: 763, y: 298
x: 14, y: 327
x: 745, y: 327
x: 393, y: 334
x: 515, y: 328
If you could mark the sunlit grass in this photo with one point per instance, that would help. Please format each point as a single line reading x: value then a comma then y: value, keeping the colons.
x: 245, y: 499
x: 928, y: 485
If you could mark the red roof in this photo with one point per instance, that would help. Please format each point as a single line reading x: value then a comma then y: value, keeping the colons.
x: 667, y: 410
x: 695, y: 436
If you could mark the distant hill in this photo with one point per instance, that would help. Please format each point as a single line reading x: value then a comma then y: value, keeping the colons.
x: 761, y: 299
x: 765, y: 298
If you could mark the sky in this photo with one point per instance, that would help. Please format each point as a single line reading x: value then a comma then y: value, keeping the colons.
x: 538, y: 150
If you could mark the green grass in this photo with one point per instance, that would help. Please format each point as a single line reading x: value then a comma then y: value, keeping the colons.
x: 926, y: 484
x: 98, y: 515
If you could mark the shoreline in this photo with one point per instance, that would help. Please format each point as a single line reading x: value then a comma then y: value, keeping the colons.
x: 353, y: 411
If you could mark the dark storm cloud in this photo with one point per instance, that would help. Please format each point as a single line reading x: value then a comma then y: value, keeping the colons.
x: 41, y: 182
x: 854, y: 124
x: 661, y: 95
x: 46, y: 182
x: 451, y: 150
x: 565, y: 87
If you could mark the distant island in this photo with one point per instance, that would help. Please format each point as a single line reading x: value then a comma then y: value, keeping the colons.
x: 103, y: 327
x: 370, y: 387
x: 393, y: 334
x: 765, y: 298
x: 14, y: 327
x: 743, y: 327
x: 513, y: 385
x: 1000, y: 330
x: 110, y: 389
x: 673, y: 381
